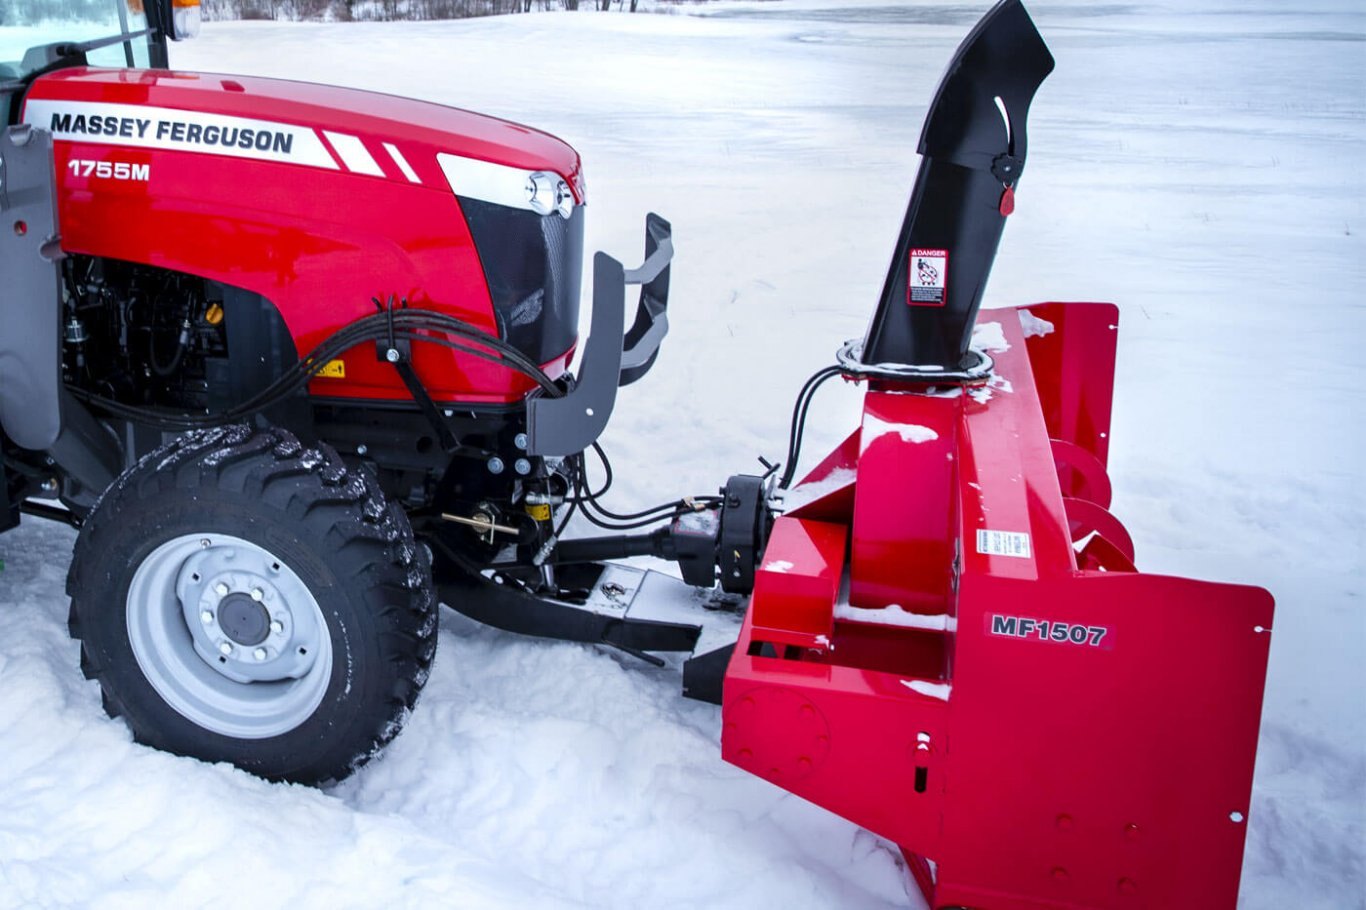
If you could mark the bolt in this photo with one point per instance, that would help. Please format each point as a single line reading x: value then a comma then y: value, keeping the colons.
x: 259, y: 654
x: 257, y: 595
x: 225, y: 649
x: 448, y: 412
x: 391, y: 355
x: 522, y: 466
x: 204, y: 544
x: 221, y: 589
x: 520, y: 441
x: 362, y: 449
x: 495, y: 465
x: 206, y: 617
x: 277, y: 627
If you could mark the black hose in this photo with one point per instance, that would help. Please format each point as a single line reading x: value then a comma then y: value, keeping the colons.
x: 164, y: 371
x: 798, y: 428
x: 408, y: 325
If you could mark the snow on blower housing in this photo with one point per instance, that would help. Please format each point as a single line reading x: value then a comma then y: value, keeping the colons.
x: 284, y: 437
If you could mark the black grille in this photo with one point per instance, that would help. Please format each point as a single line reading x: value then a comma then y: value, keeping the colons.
x: 533, y: 265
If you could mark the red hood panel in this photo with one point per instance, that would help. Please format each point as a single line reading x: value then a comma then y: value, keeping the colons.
x: 320, y: 200
x: 424, y: 129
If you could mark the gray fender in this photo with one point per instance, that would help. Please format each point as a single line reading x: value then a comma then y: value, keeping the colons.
x: 30, y: 290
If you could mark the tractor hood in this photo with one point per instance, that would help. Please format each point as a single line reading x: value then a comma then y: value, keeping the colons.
x: 301, y: 123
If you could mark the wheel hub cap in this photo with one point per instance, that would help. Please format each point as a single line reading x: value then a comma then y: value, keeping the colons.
x: 243, y: 620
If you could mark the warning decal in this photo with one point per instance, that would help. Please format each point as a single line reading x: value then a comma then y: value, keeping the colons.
x: 929, y: 277
x: 333, y: 369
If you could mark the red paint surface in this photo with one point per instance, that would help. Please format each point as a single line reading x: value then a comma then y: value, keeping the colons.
x: 317, y: 243
x: 1033, y: 773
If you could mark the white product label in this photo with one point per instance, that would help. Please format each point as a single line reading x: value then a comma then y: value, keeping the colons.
x: 1003, y: 543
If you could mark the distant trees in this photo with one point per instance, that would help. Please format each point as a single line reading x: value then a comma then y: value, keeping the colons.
x: 30, y: 12
x: 391, y: 10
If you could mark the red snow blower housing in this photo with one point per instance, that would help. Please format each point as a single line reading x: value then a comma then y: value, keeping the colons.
x: 948, y: 642
x: 295, y: 361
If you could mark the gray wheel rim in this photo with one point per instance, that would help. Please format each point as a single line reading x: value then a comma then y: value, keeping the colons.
x: 229, y: 635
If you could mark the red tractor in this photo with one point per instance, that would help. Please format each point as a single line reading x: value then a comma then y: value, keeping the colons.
x: 296, y: 362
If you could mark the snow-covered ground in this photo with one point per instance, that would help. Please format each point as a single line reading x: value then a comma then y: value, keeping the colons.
x: 1198, y: 163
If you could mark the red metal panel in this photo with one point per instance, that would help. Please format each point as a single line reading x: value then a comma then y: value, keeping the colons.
x: 845, y: 738
x: 421, y: 125
x: 795, y: 590
x: 902, y: 552
x: 1050, y: 737
x: 1072, y: 347
x: 1103, y: 776
x: 1009, y: 480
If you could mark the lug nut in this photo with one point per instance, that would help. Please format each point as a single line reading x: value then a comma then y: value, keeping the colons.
x: 206, y: 617
x: 277, y: 627
x: 257, y: 594
x: 259, y: 654
x: 225, y: 649
x: 221, y: 589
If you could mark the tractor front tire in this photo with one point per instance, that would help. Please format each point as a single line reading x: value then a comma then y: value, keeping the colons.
x: 242, y: 598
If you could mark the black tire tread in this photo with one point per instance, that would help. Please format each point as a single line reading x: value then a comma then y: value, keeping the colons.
x: 339, y: 505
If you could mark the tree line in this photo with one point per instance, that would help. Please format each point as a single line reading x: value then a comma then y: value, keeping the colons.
x: 419, y: 10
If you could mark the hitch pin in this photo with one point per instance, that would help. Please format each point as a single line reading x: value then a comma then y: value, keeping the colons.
x: 481, y: 523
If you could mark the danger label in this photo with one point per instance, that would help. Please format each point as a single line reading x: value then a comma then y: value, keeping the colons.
x: 929, y: 277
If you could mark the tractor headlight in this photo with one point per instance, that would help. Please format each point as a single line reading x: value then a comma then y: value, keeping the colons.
x: 540, y: 192
x: 564, y: 199
x: 549, y: 193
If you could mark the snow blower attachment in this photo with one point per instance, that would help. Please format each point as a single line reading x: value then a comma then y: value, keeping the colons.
x: 947, y: 642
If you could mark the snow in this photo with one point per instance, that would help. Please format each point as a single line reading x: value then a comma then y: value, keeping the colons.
x: 989, y: 336
x: 933, y: 690
x: 874, y: 429
x: 995, y: 383
x: 1215, y: 198
x: 804, y: 493
x: 1033, y: 326
x: 894, y: 615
